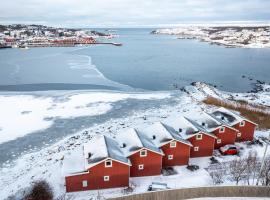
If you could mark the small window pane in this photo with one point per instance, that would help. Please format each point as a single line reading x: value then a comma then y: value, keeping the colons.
x: 173, y: 144
x: 84, y: 183
x: 143, y: 153
x: 108, y: 163
x: 140, y: 167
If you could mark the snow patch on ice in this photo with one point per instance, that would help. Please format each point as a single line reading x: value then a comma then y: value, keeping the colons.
x: 24, y: 114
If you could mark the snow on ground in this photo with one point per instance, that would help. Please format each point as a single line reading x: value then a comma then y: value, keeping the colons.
x: 24, y: 114
x: 47, y: 163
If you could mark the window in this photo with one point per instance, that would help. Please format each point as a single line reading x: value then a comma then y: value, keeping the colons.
x: 239, y: 134
x: 84, y: 184
x: 173, y: 144
x: 199, y: 137
x: 196, y: 148
x: 106, y: 178
x: 218, y: 141
x: 143, y: 153
x: 242, y: 123
x: 140, y: 167
x: 222, y: 130
x: 108, y: 163
x: 170, y: 157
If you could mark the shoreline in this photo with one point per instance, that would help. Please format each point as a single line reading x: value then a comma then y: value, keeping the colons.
x: 67, y: 45
x: 28, y: 166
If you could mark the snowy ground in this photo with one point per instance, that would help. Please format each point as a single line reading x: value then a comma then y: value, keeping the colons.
x: 47, y: 163
x: 232, y: 36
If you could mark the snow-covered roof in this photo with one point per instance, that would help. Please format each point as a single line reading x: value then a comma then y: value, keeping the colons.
x: 74, y: 163
x: 187, y: 127
x: 131, y: 141
x: 228, y: 116
x: 101, y: 148
x: 208, y: 121
x: 161, y: 134
x: 182, y: 123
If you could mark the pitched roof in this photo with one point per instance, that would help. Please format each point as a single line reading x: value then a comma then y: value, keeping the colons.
x: 161, y: 134
x: 209, y: 122
x: 101, y: 148
x: 228, y: 116
x: 74, y: 163
x: 188, y: 127
x: 131, y: 141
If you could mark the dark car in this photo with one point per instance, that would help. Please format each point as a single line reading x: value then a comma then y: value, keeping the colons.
x: 229, y: 150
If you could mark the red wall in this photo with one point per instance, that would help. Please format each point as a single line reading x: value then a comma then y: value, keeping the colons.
x: 180, y: 154
x: 119, y: 177
x: 152, y: 164
x: 227, y: 137
x: 206, y: 146
x: 247, y: 131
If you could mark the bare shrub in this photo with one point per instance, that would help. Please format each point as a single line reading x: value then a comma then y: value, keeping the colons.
x: 237, y: 169
x: 41, y: 190
x: 265, y: 175
x: 217, y: 176
x: 252, y: 166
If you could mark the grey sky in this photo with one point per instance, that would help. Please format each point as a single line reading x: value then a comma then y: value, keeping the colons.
x: 95, y: 13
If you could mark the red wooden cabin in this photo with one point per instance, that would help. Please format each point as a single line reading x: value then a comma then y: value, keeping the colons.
x: 245, y: 127
x: 202, y: 141
x: 101, y: 164
x: 176, y: 150
x: 224, y: 132
x: 145, y: 157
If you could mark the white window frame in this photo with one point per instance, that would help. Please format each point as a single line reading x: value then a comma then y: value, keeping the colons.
x: 141, y: 167
x: 239, y: 134
x: 84, y: 183
x: 199, y: 136
x: 172, y: 144
x: 218, y: 141
x: 110, y: 165
x: 196, y: 148
x: 242, y: 123
x: 141, y: 153
x: 222, y: 129
x: 106, y: 178
x: 170, y: 157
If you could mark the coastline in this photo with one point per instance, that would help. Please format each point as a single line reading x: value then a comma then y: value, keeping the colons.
x: 28, y: 166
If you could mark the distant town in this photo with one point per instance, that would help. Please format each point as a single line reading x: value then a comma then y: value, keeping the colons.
x: 252, y: 36
x: 26, y: 36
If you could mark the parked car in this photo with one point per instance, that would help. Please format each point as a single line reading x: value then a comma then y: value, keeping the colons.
x: 229, y: 150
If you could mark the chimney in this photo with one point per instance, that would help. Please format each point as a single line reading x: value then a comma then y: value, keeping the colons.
x: 203, y: 124
x: 222, y: 118
x: 180, y: 130
x: 89, y: 155
x: 123, y: 145
x: 154, y: 137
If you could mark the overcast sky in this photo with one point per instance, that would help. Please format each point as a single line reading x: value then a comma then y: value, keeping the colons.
x: 97, y: 13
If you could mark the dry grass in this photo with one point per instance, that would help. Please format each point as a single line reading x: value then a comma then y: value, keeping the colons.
x: 255, y: 113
